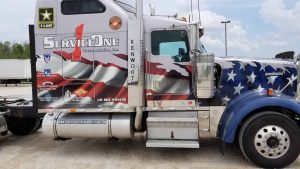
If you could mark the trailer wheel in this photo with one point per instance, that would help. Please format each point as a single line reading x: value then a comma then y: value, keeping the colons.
x: 270, y: 140
x: 23, y: 126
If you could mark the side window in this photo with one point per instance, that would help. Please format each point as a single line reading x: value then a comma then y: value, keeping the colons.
x: 173, y: 43
x: 72, y: 7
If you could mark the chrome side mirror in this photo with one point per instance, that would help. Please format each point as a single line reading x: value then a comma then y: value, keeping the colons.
x: 194, y: 36
x: 297, y: 60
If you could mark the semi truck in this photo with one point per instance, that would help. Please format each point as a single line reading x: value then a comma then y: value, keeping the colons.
x: 13, y: 71
x: 103, y: 69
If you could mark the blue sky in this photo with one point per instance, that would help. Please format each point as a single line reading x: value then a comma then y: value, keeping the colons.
x: 259, y: 28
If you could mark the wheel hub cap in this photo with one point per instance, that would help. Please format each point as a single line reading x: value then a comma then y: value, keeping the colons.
x: 272, y: 141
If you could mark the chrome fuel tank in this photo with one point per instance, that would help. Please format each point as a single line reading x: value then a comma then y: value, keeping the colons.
x: 67, y: 125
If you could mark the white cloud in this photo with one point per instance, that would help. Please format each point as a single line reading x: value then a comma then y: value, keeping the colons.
x: 285, y: 19
x: 276, y: 13
x: 15, y: 16
x: 273, y: 39
x: 213, y: 43
x: 236, y: 30
x: 211, y: 20
x: 238, y: 40
x: 241, y: 43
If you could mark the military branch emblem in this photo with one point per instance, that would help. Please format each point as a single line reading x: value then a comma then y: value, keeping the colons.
x: 46, y: 18
x: 47, y: 57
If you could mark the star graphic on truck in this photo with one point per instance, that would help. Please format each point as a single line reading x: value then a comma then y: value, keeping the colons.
x: 251, y: 78
x: 231, y: 76
x: 46, y: 15
x: 237, y: 89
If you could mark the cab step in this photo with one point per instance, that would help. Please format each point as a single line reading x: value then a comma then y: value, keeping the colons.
x: 173, y: 129
x: 173, y: 144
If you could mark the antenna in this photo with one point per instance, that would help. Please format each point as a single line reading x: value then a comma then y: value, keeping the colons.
x: 188, y: 7
x: 192, y: 10
x: 152, y: 9
x: 199, y: 12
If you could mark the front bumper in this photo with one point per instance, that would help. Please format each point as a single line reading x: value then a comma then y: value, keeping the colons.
x: 3, y: 125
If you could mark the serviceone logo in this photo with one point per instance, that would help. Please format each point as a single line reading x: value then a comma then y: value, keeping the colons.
x: 92, y: 41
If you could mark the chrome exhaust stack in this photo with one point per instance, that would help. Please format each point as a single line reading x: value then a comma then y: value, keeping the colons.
x: 205, y: 79
x: 67, y: 125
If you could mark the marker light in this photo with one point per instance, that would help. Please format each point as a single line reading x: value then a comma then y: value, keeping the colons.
x: 73, y: 110
x: 115, y: 23
x: 270, y: 92
x: 183, y: 18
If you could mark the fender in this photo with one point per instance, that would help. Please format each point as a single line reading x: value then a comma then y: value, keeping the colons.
x: 243, y: 105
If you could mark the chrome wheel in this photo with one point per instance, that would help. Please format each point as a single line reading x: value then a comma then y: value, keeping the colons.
x: 272, y: 141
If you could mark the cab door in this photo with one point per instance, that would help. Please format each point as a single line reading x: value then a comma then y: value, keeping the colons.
x: 93, y: 37
x: 75, y: 30
x: 169, y: 69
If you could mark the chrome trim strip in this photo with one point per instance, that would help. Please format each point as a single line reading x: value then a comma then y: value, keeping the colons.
x: 102, y: 110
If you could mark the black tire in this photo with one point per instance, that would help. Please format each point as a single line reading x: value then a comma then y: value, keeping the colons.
x: 274, y: 152
x: 23, y: 126
x: 4, y: 133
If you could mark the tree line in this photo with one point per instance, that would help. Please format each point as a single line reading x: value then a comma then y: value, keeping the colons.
x: 12, y: 50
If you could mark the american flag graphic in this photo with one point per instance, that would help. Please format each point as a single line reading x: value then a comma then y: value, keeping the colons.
x: 79, y: 79
x: 241, y: 75
x: 83, y: 84
x: 84, y: 78
x: 175, y: 79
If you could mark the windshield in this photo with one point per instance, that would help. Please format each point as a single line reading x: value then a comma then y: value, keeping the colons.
x: 126, y: 6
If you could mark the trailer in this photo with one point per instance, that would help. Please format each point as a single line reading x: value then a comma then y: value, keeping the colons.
x: 14, y: 71
x: 18, y: 116
x: 102, y: 69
